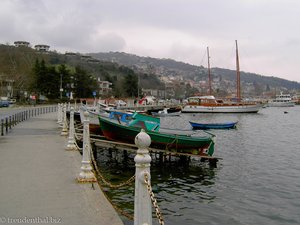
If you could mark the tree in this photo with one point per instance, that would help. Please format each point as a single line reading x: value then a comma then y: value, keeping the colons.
x: 130, y: 84
x: 66, y: 78
x: 84, y: 84
x: 190, y: 91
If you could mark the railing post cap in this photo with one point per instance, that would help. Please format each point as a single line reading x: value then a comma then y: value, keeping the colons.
x: 86, y: 113
x: 142, y: 140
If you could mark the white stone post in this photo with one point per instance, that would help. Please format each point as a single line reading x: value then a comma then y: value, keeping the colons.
x: 64, y: 131
x: 59, y: 113
x: 142, y: 202
x: 86, y: 174
x: 71, y: 140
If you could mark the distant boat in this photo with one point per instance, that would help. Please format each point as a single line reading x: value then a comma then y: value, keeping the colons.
x: 206, y: 126
x: 164, y: 113
x: 209, y: 104
x: 282, y: 100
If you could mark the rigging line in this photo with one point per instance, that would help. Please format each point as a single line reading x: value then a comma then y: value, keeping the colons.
x: 202, y: 60
x: 230, y: 59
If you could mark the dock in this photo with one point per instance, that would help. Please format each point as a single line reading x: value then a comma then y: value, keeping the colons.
x: 38, y: 179
x: 100, y: 141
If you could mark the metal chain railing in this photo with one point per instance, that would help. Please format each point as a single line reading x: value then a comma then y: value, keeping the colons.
x: 107, y: 183
x: 126, y: 183
x: 119, y: 210
x: 153, y: 200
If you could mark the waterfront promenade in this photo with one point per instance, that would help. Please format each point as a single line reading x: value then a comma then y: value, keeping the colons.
x: 38, y: 179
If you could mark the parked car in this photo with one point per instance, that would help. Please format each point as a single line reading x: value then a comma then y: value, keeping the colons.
x: 4, y: 103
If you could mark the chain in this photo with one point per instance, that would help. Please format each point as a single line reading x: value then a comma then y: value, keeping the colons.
x: 129, y: 216
x: 154, y: 201
x: 119, y: 210
x: 128, y: 182
x: 76, y: 135
x: 78, y: 148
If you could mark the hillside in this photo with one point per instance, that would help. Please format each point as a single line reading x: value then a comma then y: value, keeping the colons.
x: 16, y: 63
x: 169, y: 67
x: 182, y: 79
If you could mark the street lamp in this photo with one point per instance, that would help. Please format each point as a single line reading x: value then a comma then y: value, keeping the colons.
x: 138, y: 85
x: 61, y: 89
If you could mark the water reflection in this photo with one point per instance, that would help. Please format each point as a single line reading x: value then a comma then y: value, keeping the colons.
x: 178, y: 182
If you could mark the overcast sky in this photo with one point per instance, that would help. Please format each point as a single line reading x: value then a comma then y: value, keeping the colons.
x: 268, y: 31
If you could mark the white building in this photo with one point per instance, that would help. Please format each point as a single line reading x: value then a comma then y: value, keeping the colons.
x: 21, y: 44
x: 104, y: 87
x: 42, y: 48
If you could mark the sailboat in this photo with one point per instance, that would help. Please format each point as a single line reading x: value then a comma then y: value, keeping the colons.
x: 209, y: 104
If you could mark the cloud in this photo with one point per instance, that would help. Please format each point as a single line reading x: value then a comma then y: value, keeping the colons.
x: 179, y: 29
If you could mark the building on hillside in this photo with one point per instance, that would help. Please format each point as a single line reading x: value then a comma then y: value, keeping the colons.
x: 92, y: 60
x: 160, y: 94
x: 104, y: 87
x: 85, y: 57
x: 170, y: 90
x: 42, y: 48
x: 21, y: 44
x: 6, y: 87
x: 71, y: 54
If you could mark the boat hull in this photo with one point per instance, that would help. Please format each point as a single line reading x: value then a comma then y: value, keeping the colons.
x: 281, y: 104
x: 206, y: 126
x: 222, y: 109
x: 180, y: 143
x: 165, y: 114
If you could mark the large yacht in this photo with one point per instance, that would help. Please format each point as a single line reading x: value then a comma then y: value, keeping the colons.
x: 209, y: 104
x: 282, y: 100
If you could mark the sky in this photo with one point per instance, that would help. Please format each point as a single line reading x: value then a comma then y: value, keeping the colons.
x: 267, y: 31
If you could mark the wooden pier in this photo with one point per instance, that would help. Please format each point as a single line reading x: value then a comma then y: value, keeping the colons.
x: 100, y: 141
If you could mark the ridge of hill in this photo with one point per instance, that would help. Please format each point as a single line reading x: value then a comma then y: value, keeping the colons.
x: 170, y: 67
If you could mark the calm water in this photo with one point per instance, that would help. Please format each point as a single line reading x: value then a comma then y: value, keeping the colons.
x: 256, y: 182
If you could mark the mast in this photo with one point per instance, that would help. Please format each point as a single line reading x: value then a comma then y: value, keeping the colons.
x: 238, y: 79
x: 209, y: 75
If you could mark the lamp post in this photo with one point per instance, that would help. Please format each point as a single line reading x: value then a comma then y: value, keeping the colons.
x: 61, y: 89
x: 138, y: 85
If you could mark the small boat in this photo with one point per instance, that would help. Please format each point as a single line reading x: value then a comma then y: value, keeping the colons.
x: 164, y: 112
x: 205, y: 126
x: 200, y: 145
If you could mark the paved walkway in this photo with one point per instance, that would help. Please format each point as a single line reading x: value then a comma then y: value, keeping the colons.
x: 38, y: 179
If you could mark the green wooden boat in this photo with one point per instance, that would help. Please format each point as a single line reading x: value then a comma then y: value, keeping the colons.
x: 198, y: 145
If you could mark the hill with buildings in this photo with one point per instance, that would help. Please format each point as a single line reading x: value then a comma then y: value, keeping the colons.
x: 224, y: 80
x: 17, y: 64
x: 165, y: 78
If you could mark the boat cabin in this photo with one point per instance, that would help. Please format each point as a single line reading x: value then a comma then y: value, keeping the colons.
x: 203, y: 100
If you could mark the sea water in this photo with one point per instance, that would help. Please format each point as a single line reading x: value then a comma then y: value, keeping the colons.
x: 257, y: 181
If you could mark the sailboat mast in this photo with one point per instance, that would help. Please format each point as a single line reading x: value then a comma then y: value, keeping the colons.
x: 238, y: 75
x: 209, y: 75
